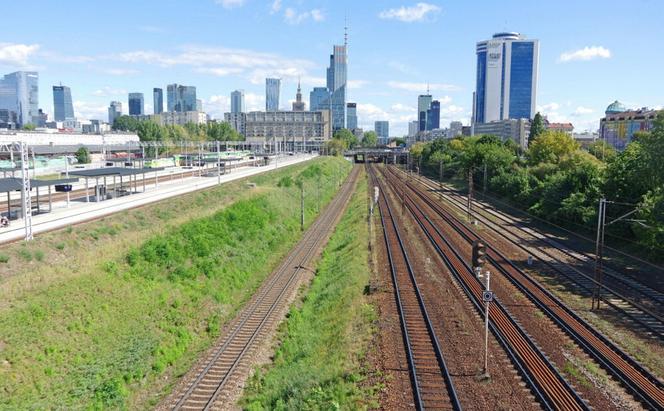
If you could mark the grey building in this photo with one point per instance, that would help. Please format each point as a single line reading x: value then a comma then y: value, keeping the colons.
x: 351, y: 116
x: 63, y: 109
x: 237, y: 121
x: 136, y: 104
x: 413, y: 128
x: 19, y: 95
x: 382, y: 129
x: 272, y: 89
x: 517, y: 130
x: 456, y: 129
x: 114, y: 111
x: 181, y: 98
x: 158, y: 100
x: 237, y: 102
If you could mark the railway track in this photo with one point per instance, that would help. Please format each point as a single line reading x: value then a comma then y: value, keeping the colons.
x: 541, y: 376
x: 645, y: 387
x: 432, y: 385
x: 208, y: 386
x: 642, y: 305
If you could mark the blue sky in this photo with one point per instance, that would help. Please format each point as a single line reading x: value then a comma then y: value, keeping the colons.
x: 591, y: 52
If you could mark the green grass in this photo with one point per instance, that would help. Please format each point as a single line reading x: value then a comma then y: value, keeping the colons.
x: 319, y: 364
x: 4, y: 258
x: 137, y: 314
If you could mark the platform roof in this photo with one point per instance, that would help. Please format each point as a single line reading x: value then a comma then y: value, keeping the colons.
x: 221, y: 159
x: 113, y: 171
x: 15, y: 184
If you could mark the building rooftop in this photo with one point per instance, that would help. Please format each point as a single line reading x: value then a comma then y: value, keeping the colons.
x: 615, y: 107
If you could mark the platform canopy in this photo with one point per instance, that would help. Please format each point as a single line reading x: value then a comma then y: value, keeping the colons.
x: 16, y: 184
x: 113, y: 171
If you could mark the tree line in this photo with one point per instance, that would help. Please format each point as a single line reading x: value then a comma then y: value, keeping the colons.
x: 558, y: 181
x: 151, y: 131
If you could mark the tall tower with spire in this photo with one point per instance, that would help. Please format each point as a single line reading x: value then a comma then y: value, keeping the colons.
x: 298, y: 104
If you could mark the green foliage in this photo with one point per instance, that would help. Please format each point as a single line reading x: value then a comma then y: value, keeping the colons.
x: 151, y: 131
x: 336, y: 147
x: 346, y: 135
x: 399, y: 141
x: 83, y: 155
x: 29, y: 127
x: 318, y: 365
x: 602, y: 151
x: 4, y: 258
x: 536, y: 128
x: 551, y: 147
x: 370, y: 139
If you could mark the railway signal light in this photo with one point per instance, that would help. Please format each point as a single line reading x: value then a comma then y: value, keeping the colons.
x: 479, y: 254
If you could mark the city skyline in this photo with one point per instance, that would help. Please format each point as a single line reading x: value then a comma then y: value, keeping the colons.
x: 385, y: 77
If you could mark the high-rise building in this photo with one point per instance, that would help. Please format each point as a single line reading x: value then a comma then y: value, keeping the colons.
x: 63, y: 109
x: 319, y: 99
x: 272, y: 88
x: 114, y: 111
x: 423, y: 104
x: 456, y: 129
x: 237, y: 101
x: 382, y: 129
x: 158, y: 100
x: 298, y: 104
x: 506, y: 82
x: 19, y: 95
x: 351, y: 116
x: 413, y: 128
x: 433, y: 116
x: 199, y: 105
x: 136, y: 104
x: 336, y: 85
x: 181, y: 98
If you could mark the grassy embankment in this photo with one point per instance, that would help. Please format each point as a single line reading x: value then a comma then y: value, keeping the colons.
x: 106, y: 314
x: 319, y: 364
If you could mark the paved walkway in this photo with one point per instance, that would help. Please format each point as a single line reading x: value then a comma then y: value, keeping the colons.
x: 80, y: 211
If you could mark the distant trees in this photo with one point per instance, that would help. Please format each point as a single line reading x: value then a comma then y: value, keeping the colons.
x: 370, y: 139
x: 83, y: 155
x: 151, y: 131
x: 399, y: 141
x: 347, y: 136
x: 536, y: 128
x: 29, y: 127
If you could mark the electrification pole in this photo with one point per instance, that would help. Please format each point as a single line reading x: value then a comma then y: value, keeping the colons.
x: 470, y: 194
x: 25, y: 191
x: 302, y: 206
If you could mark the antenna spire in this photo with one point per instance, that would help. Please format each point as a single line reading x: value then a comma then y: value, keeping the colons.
x: 345, y: 31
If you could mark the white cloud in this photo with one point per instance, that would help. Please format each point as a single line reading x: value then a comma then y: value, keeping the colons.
x: 545, y: 108
x: 88, y: 111
x: 402, y: 67
x: 219, y: 71
x: 422, y: 87
x: 356, y: 84
x: 418, y: 12
x: 230, y: 4
x: 16, y: 54
x: 109, y: 92
x: 292, y: 16
x: 585, y: 54
x: 276, y: 6
x: 581, y: 111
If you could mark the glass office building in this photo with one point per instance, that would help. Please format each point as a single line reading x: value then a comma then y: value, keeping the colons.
x: 506, y: 78
x: 351, y: 116
x: 19, y: 96
x: 158, y: 100
x: 180, y: 98
x: 272, y: 89
x: 136, y: 106
x: 237, y: 102
x: 63, y: 109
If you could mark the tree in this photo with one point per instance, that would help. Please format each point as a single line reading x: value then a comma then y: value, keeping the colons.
x: 602, y: 150
x: 346, y: 135
x: 29, y: 127
x: 551, y: 147
x: 83, y: 155
x: 370, y: 139
x: 399, y: 141
x: 336, y: 146
x: 125, y: 123
x: 536, y: 129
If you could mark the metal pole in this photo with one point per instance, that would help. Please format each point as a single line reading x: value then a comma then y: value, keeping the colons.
x: 440, y: 180
x: 486, y: 328
x: 302, y: 206
x: 598, y: 252
x: 485, y: 179
x: 67, y: 175
x: 25, y: 192
x: 218, y: 163
x: 470, y: 193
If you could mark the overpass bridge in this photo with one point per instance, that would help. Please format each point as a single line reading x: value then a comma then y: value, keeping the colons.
x: 378, y: 155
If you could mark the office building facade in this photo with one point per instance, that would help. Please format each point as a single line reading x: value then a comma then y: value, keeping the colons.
x: 619, y: 124
x: 136, y: 104
x: 158, y: 100
x: 456, y: 129
x: 19, y: 95
x: 319, y: 99
x: 506, y: 78
x: 382, y: 129
x: 433, y: 116
x: 517, y: 130
x: 272, y: 89
x: 237, y: 101
x: 413, y: 128
x: 423, y: 105
x: 351, y: 116
x: 181, y: 98
x: 114, y: 111
x: 63, y: 109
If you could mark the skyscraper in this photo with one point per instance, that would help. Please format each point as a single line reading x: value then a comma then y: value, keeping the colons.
x: 506, y: 82
x: 136, y: 106
x: 272, y: 87
x: 382, y: 129
x: 319, y: 99
x: 298, y: 104
x: 158, y: 100
x: 433, y: 115
x: 351, y: 116
x: 181, y: 98
x: 19, y: 95
x: 114, y: 111
x: 423, y: 104
x: 63, y: 109
x: 237, y: 101
x: 336, y: 84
